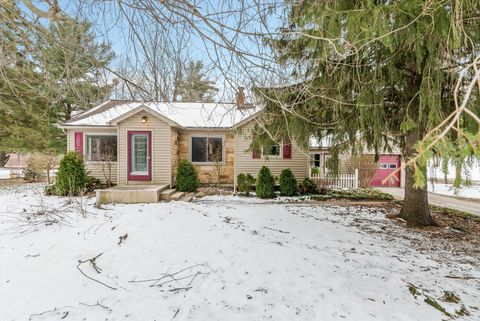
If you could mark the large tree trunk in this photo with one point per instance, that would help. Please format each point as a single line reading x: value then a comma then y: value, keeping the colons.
x: 415, y: 209
x: 4, y: 157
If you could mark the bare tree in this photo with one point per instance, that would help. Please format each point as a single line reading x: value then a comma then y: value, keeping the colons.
x: 108, y: 159
x: 366, y: 166
x: 216, y: 157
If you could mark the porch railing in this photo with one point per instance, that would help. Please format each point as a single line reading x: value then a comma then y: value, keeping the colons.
x: 339, y: 181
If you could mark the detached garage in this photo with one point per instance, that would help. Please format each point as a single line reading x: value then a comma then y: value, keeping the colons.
x: 387, y: 165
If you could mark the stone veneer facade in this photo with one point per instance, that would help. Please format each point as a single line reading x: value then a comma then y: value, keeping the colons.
x: 207, y: 173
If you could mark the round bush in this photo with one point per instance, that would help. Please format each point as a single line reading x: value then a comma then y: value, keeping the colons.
x: 265, y: 183
x: 288, y: 183
x: 71, y: 176
x: 187, y: 178
x: 308, y: 186
x: 244, y: 183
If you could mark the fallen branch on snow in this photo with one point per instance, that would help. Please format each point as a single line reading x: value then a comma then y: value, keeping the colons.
x: 96, y: 268
x: 192, y: 272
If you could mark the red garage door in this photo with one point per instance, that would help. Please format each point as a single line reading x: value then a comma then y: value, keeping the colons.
x: 386, y: 166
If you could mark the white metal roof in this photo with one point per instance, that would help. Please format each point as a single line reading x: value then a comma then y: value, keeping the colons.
x: 185, y: 114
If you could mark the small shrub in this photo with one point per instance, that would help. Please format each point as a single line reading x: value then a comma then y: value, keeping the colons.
x: 31, y: 175
x: 265, y: 183
x: 71, y: 176
x: 288, y: 183
x: 187, y: 178
x: 315, y: 170
x: 50, y: 190
x: 244, y: 183
x: 308, y: 186
x: 93, y: 183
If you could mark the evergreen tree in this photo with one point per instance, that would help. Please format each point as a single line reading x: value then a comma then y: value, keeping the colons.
x: 370, y: 70
x: 72, y: 61
x: 24, y: 122
x: 194, y: 86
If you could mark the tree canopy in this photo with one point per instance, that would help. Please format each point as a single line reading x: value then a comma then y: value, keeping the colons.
x: 368, y: 71
x: 194, y: 85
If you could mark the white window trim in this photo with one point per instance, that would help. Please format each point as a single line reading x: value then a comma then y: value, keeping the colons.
x: 383, y: 164
x: 85, y: 145
x: 279, y: 156
x: 207, y: 136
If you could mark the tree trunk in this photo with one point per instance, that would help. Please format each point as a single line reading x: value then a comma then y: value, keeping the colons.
x: 4, y: 157
x: 415, y: 209
x: 458, y: 175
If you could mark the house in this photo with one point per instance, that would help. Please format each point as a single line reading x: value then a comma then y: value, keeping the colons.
x: 144, y: 142
x: 386, y: 167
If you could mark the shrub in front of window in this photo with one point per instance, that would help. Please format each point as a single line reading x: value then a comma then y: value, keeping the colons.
x: 244, y: 183
x: 187, y: 178
x: 307, y: 186
x: 265, y: 183
x: 288, y: 183
x: 315, y: 170
x: 71, y: 176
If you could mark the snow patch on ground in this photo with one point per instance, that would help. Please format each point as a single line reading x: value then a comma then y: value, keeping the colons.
x: 447, y: 189
x: 4, y: 173
x: 244, y: 259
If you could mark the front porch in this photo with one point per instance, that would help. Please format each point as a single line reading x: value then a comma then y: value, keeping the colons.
x: 130, y: 194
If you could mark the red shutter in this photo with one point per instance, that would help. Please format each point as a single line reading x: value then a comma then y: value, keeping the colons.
x: 255, y: 153
x: 287, y: 151
x: 79, y: 142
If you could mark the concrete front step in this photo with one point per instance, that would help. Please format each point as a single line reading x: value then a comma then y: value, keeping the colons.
x: 188, y: 197
x: 166, y: 194
x: 129, y: 194
x: 177, y: 196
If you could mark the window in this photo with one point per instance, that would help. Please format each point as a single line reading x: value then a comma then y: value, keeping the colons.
x: 207, y: 149
x: 383, y: 166
x: 392, y: 166
x: 272, y: 150
x: 316, y: 160
x: 101, y: 148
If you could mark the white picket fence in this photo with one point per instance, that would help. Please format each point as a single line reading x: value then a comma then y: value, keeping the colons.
x: 339, y: 181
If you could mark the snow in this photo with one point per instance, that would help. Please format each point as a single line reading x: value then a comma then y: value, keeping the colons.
x: 448, y: 189
x: 470, y: 170
x: 257, y: 260
x: 4, y: 173
x: 221, y: 115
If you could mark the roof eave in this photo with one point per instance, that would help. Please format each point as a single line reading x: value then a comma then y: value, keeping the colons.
x: 73, y: 126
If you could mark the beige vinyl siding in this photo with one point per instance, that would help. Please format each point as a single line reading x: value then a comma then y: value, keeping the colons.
x: 94, y: 169
x: 161, y: 150
x: 174, y: 152
x: 244, y: 163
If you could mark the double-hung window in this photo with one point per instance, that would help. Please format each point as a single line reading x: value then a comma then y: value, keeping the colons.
x: 207, y: 149
x: 101, y: 148
x: 271, y: 150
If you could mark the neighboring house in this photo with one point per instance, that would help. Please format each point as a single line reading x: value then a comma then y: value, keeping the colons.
x: 146, y: 140
x: 17, y: 160
x: 387, y: 164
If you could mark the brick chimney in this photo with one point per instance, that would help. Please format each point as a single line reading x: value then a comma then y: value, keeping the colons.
x: 240, y: 98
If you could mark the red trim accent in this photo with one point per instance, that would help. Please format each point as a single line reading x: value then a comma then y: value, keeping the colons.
x: 129, y: 157
x: 79, y: 142
x: 287, y: 151
x: 255, y: 153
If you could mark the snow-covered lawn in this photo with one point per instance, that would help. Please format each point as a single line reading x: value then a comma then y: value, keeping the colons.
x: 447, y: 189
x: 221, y: 258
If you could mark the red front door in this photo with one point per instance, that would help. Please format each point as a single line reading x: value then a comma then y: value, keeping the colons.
x: 139, y: 155
x: 386, y: 165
